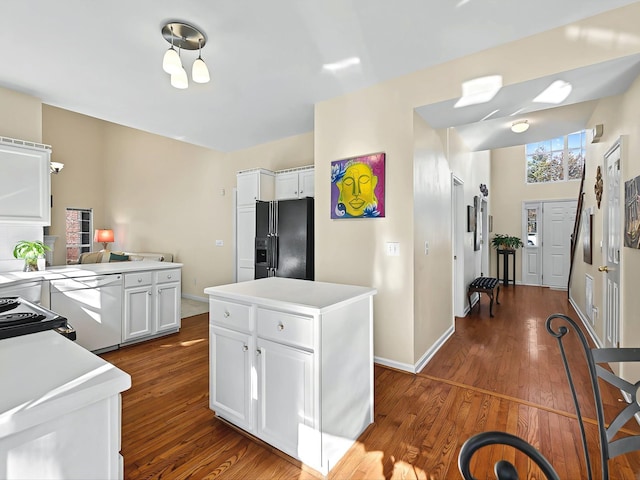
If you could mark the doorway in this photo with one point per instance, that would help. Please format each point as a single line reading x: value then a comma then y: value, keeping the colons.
x: 546, y: 229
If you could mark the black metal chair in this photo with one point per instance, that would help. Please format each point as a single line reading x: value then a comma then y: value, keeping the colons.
x: 504, y: 470
x: 609, y: 448
x: 610, y: 445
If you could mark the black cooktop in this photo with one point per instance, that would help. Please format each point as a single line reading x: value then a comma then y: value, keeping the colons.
x: 20, y: 317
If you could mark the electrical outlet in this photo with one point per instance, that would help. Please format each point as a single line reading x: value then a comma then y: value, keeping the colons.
x: 426, y: 248
x: 219, y: 243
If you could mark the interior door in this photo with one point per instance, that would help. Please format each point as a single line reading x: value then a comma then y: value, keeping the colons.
x: 458, y: 221
x: 612, y: 238
x: 558, y: 221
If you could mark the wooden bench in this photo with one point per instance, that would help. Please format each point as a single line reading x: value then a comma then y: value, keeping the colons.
x: 486, y: 285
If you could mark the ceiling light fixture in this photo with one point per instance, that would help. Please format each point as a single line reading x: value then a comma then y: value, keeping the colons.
x: 520, y: 126
x: 185, y: 37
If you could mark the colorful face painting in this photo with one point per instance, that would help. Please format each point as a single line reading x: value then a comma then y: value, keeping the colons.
x: 357, y: 187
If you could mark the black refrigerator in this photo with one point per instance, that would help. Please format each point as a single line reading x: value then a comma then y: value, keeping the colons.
x: 284, y: 239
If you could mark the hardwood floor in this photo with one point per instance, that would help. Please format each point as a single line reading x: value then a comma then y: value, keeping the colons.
x: 502, y: 373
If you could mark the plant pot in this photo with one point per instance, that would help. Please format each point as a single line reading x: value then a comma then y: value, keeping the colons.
x: 30, y: 267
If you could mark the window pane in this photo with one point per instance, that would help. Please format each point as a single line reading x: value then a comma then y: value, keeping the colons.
x: 575, y: 140
x: 78, y: 233
x: 576, y: 164
x: 557, y: 143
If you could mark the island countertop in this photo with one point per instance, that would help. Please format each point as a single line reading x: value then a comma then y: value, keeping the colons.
x: 302, y: 295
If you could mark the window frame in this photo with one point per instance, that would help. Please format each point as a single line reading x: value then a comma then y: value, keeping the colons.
x: 565, y: 157
x: 81, y: 246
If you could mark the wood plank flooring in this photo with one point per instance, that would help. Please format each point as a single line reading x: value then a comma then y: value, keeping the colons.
x: 502, y: 373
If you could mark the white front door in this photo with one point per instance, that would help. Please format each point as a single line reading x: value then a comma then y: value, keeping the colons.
x: 612, y: 238
x: 558, y: 221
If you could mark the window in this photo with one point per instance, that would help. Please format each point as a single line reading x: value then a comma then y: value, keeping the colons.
x: 79, y: 225
x: 556, y: 160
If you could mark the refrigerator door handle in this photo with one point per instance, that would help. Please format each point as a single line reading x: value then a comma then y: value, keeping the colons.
x: 274, y: 256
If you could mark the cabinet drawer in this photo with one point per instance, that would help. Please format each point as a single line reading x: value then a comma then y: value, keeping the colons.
x: 285, y: 328
x: 229, y: 314
x: 166, y: 276
x: 137, y: 279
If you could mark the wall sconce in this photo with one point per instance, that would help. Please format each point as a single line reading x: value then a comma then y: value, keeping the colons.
x: 185, y: 37
x: 55, y: 167
x: 103, y: 236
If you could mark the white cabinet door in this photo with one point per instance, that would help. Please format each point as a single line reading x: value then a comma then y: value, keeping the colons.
x: 293, y: 185
x: 137, y: 313
x: 254, y: 185
x: 286, y: 186
x: 246, y: 233
x: 25, y: 185
x: 231, y: 354
x: 285, y: 398
x: 167, y: 306
x: 306, y: 183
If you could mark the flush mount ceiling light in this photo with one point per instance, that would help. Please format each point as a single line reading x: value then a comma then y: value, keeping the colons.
x: 520, y: 126
x: 185, y: 37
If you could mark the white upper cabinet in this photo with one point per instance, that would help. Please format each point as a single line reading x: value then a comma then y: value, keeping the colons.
x: 255, y: 185
x: 25, y: 183
x: 296, y: 183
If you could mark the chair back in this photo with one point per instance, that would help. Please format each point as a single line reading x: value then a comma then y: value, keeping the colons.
x: 597, y: 359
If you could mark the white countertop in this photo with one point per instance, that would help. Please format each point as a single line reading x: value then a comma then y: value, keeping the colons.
x: 43, y: 374
x: 305, y: 295
x: 84, y: 270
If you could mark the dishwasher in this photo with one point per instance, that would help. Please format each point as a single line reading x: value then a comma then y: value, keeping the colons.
x: 93, y: 305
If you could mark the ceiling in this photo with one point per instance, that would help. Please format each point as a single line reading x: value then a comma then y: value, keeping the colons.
x: 103, y: 59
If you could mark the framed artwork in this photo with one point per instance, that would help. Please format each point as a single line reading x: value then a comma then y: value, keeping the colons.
x: 632, y: 213
x: 357, y: 187
x: 471, y: 219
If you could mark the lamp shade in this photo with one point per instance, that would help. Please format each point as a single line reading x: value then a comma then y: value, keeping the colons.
x: 180, y: 80
x: 103, y: 236
x: 200, y: 72
x: 171, y: 61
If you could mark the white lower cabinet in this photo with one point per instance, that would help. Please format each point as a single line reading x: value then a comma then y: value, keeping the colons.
x: 296, y: 373
x: 151, y: 304
x: 285, y: 400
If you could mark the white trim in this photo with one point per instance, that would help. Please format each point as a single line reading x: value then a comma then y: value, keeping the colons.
x: 428, y: 355
x: 24, y: 143
x: 195, y: 297
x: 585, y: 322
x: 295, y: 169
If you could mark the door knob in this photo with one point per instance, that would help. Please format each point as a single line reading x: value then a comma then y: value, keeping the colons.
x: 603, y: 269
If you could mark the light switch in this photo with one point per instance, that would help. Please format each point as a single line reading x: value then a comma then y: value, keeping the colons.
x: 393, y: 249
x: 426, y: 248
x: 219, y: 243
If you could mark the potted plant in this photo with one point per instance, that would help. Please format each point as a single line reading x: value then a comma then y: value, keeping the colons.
x: 503, y: 241
x: 30, y: 251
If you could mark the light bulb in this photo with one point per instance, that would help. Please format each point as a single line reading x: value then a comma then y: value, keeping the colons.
x: 179, y: 79
x: 200, y: 72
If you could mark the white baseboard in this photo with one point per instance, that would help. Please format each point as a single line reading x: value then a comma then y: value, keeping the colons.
x: 428, y: 355
x: 196, y: 298
x: 586, y: 323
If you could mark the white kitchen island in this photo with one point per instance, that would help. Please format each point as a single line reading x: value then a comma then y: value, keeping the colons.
x: 59, y: 410
x: 291, y: 362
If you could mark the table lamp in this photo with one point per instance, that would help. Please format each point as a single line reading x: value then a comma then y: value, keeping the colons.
x: 103, y: 236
